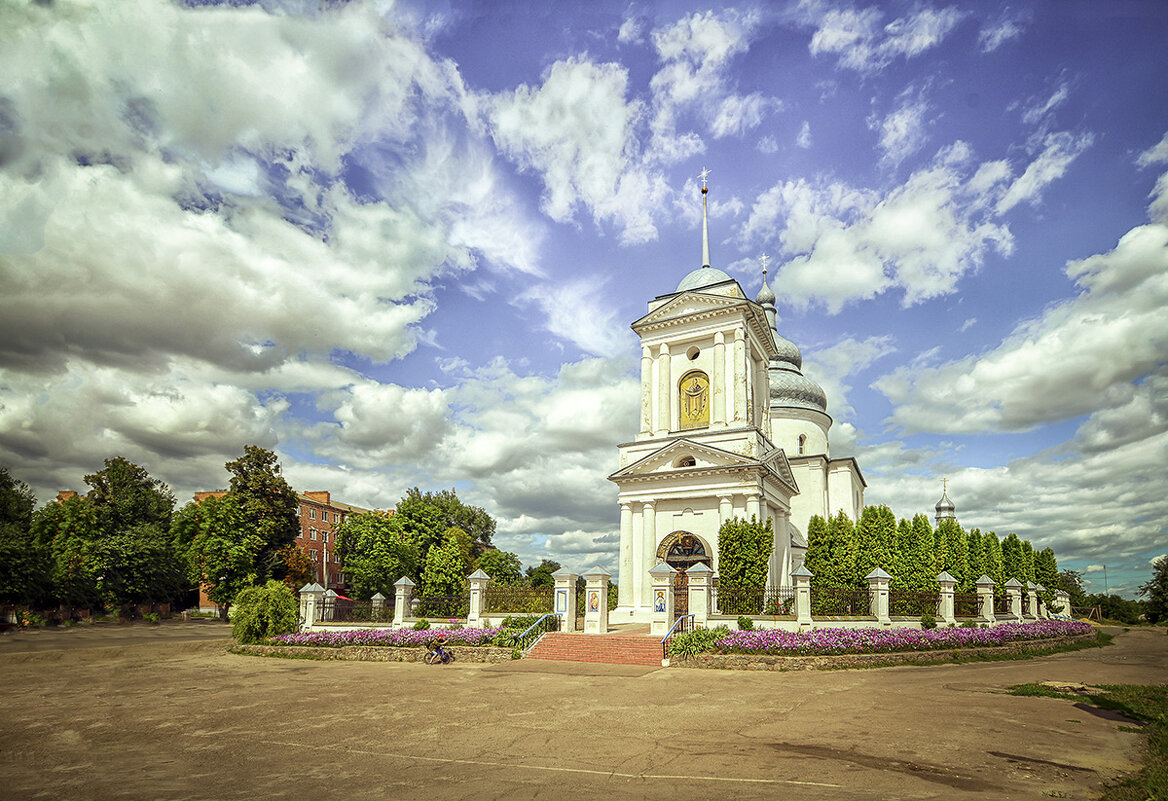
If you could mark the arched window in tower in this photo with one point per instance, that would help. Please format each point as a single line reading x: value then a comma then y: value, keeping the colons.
x: 693, y: 397
x: 802, y: 444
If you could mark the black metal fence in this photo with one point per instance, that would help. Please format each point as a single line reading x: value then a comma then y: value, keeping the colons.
x: 839, y: 601
x: 913, y: 603
x: 1001, y: 605
x: 773, y: 601
x: 456, y: 606
x: 966, y: 604
x: 516, y: 598
x: 341, y: 610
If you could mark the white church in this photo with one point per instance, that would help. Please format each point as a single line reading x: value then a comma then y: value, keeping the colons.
x: 729, y: 427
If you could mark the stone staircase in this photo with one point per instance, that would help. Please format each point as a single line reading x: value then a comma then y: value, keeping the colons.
x: 612, y: 649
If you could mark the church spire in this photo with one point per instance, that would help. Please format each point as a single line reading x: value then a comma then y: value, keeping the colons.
x: 766, y: 296
x: 704, y: 174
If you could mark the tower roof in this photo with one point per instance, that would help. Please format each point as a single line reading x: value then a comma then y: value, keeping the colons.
x: 703, y: 276
x: 945, y: 507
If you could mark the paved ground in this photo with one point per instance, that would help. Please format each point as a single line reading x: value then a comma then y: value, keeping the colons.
x: 164, y: 713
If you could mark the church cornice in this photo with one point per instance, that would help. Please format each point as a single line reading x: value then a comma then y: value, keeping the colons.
x: 774, y: 464
x: 669, y: 315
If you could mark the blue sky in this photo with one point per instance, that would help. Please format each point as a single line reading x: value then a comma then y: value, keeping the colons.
x: 401, y: 244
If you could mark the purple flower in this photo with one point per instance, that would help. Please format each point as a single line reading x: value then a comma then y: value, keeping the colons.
x: 867, y: 641
x: 399, y: 638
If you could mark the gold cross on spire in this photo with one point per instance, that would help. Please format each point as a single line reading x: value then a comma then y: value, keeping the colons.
x: 944, y: 485
x: 764, y: 259
x: 704, y: 174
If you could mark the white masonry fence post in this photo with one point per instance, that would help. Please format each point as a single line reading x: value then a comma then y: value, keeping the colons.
x: 1043, y: 612
x: 403, y: 593
x: 1031, y: 600
x: 328, y: 612
x: 662, y: 576
x: 596, y: 601
x: 1014, y: 594
x: 376, y: 606
x: 985, y: 598
x: 310, y: 596
x: 948, y: 583
x: 802, y: 577
x: 699, y: 577
x: 478, y: 597
x: 564, y: 604
x: 878, y: 596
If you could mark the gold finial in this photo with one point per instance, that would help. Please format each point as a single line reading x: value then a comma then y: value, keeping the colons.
x: 704, y: 174
x: 764, y: 259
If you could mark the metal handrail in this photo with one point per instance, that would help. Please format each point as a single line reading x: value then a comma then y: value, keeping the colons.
x: 532, y: 627
x: 669, y: 635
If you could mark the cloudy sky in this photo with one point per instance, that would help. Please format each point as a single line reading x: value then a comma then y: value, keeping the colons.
x: 401, y: 244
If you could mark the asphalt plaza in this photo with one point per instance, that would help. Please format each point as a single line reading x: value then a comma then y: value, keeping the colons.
x: 165, y: 712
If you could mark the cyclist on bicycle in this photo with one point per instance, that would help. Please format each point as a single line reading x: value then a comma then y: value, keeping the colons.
x: 437, y: 646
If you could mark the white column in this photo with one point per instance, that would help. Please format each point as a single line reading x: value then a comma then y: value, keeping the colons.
x: 752, y: 507
x: 646, y: 390
x: 628, y: 565
x: 739, y: 414
x: 664, y: 386
x: 725, y: 509
x: 648, y: 555
x: 718, y: 379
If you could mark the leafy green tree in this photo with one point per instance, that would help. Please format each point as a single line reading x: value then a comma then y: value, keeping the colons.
x: 24, y: 567
x: 956, y: 559
x: 744, y: 552
x: 268, y: 504
x: 1071, y: 582
x: 426, y: 516
x: 1013, y: 566
x: 445, y: 572
x: 502, y: 566
x: 225, y: 552
x: 136, y: 565
x: 541, y: 575
x: 375, y: 553
x: 915, y: 562
x: 125, y: 495
x: 831, y: 555
x: 875, y: 541
x: 66, y: 529
x: 1156, y: 591
x: 264, y: 611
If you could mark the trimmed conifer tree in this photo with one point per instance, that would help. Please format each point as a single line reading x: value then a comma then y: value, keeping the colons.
x: 956, y: 561
x: 916, y: 560
x: 1046, y: 573
x: 1012, y: 564
x: 993, y: 562
x: 833, y: 563
x: 744, y: 552
x: 938, y: 549
x: 904, y: 532
x: 817, y: 559
x: 873, y: 545
x: 1027, y: 561
x: 975, y: 552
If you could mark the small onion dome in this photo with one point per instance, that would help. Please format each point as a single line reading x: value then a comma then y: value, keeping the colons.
x: 945, y: 507
x: 766, y: 296
x: 791, y: 389
x: 703, y: 276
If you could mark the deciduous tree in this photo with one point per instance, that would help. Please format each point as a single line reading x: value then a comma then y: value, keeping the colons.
x: 502, y: 566
x: 125, y: 495
x: 445, y: 572
x: 24, y: 573
x: 1155, y: 590
x: 268, y: 504
x: 376, y: 553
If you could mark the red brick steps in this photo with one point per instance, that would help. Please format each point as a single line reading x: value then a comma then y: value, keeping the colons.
x: 612, y: 649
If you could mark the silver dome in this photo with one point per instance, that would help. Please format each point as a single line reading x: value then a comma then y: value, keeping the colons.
x: 945, y: 505
x: 703, y: 276
x: 788, y: 353
x: 791, y: 389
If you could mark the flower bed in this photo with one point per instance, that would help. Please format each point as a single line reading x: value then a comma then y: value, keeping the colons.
x: 875, y: 641
x: 390, y: 638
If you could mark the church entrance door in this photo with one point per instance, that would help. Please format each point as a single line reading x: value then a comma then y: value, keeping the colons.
x: 681, y: 550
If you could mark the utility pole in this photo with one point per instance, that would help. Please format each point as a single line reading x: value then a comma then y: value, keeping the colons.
x: 1106, y: 591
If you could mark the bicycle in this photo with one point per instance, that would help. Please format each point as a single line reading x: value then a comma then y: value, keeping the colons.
x: 437, y: 655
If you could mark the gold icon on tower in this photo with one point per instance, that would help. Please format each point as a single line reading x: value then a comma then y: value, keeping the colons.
x: 694, y: 397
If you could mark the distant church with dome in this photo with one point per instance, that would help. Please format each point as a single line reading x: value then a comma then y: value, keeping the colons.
x: 729, y: 427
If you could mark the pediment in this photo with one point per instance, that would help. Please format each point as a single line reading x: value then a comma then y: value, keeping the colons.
x: 689, y: 304
x: 776, y: 460
x: 675, y: 457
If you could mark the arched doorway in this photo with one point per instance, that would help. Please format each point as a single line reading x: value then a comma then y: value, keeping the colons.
x: 681, y: 550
